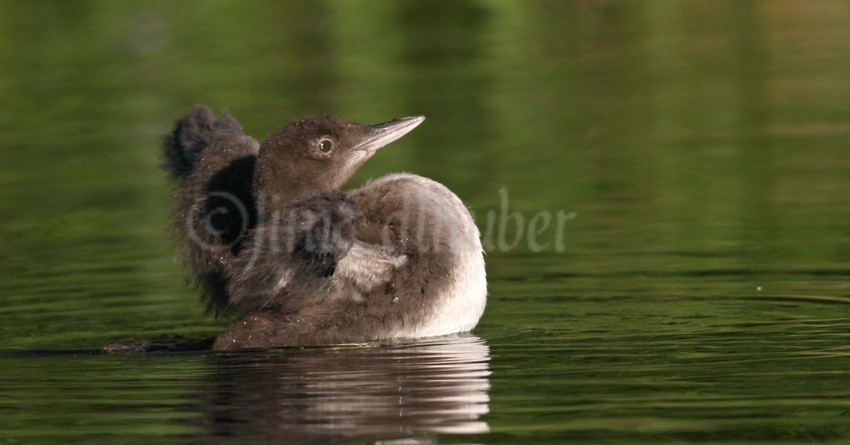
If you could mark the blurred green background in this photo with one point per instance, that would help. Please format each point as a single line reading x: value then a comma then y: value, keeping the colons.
x: 699, y: 147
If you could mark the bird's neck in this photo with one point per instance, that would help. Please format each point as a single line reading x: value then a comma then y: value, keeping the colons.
x: 275, y: 192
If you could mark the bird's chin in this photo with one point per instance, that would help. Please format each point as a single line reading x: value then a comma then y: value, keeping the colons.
x: 351, y: 165
x: 357, y: 159
x: 362, y: 154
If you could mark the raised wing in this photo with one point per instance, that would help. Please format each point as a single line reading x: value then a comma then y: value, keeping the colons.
x: 212, y: 161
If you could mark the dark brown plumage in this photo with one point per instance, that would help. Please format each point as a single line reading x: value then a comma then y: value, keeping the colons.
x: 266, y: 231
x: 213, y: 162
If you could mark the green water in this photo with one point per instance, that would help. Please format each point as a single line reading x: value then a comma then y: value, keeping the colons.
x: 662, y: 188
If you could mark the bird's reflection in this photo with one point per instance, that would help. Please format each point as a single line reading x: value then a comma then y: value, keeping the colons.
x: 427, y: 387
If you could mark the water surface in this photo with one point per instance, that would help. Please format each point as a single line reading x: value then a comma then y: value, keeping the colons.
x: 662, y: 189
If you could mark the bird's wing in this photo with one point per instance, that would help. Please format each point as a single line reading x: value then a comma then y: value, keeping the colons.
x: 212, y: 161
x: 293, y: 259
x: 311, y: 254
x: 366, y: 266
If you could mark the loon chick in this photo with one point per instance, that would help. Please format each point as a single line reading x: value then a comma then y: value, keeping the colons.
x: 266, y: 233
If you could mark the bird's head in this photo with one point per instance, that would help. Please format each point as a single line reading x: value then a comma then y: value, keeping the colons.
x: 320, y: 153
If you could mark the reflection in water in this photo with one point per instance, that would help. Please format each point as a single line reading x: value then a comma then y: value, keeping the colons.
x: 703, y: 146
x: 430, y: 387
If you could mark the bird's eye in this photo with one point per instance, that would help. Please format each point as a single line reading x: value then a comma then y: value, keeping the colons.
x: 325, y: 145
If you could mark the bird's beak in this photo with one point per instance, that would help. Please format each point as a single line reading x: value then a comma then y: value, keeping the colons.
x: 382, y: 134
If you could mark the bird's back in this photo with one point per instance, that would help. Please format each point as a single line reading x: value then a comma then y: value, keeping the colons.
x: 442, y: 288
